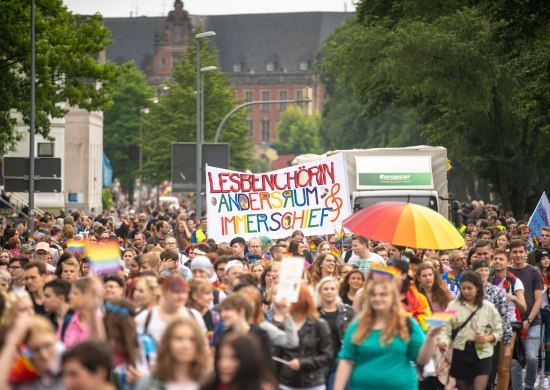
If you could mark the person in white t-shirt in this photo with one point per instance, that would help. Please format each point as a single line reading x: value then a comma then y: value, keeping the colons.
x: 175, y: 291
x: 362, y: 256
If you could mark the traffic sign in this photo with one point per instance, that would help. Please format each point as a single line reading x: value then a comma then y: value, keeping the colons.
x: 40, y: 185
x: 43, y: 167
x: 184, y: 177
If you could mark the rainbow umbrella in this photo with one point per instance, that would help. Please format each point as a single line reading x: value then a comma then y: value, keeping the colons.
x: 405, y: 224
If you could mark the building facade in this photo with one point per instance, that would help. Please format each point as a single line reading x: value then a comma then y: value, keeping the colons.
x: 267, y: 56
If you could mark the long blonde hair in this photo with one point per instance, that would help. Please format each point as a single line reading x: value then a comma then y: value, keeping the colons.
x: 397, y: 319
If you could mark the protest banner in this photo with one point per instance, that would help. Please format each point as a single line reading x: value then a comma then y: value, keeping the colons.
x: 290, y: 278
x: 539, y: 218
x: 312, y: 197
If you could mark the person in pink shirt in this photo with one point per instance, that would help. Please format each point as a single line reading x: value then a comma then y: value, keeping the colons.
x: 86, y: 321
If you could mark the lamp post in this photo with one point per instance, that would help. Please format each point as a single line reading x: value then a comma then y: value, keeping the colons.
x: 203, y: 71
x: 32, y: 122
x: 140, y: 187
x: 198, y: 168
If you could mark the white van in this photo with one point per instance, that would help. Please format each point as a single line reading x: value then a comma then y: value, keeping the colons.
x: 169, y: 201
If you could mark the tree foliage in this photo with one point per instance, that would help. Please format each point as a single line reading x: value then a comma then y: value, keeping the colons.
x: 67, y: 70
x: 173, y: 119
x: 344, y: 124
x: 121, y: 125
x: 298, y: 133
x: 475, y: 72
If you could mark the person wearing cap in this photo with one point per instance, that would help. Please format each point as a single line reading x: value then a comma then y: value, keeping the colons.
x: 498, y: 298
x: 41, y: 252
x: 233, y: 268
x: 515, y: 301
x: 414, y: 303
x: 113, y: 288
x: 27, y: 251
x: 201, y: 268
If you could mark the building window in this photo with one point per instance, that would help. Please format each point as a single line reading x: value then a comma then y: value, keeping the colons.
x: 265, y: 130
x: 266, y: 96
x: 45, y: 149
x: 270, y: 66
x: 283, y: 95
x: 163, y: 62
x: 176, y: 57
x: 304, y: 65
x: 248, y: 96
x: 250, y: 125
x: 299, y: 96
x: 236, y: 67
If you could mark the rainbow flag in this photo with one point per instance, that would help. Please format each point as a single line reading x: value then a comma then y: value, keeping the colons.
x: 384, y: 271
x: 105, y: 257
x: 336, y: 253
x: 77, y: 246
x: 312, y: 246
x: 339, y: 239
x: 440, y: 318
x: 44, y: 230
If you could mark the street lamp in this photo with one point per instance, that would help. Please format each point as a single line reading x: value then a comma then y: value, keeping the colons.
x: 203, y: 71
x: 198, y: 168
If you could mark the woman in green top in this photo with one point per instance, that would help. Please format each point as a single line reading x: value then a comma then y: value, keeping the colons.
x: 380, y: 345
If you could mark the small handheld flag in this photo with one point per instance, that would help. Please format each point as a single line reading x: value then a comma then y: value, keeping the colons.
x: 105, y: 258
x: 311, y: 246
x: 440, y: 318
x: 335, y: 252
x: 77, y: 246
x: 384, y: 271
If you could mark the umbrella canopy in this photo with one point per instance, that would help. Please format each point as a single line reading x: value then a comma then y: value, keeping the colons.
x: 405, y: 224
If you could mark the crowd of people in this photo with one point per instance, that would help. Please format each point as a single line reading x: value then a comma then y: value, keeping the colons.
x: 187, y: 312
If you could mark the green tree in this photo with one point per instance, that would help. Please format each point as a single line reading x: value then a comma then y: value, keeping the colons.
x: 121, y: 125
x: 298, y: 133
x: 344, y: 124
x: 173, y: 119
x: 476, y: 74
x: 67, y: 69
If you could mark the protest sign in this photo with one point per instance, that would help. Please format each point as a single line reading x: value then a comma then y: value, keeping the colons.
x: 312, y: 197
x: 539, y: 218
x: 290, y: 278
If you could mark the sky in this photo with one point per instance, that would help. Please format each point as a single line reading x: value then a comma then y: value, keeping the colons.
x: 123, y: 8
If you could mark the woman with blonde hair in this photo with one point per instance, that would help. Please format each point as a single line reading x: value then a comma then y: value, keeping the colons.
x: 337, y: 315
x: 383, y: 336
x: 183, y: 358
x: 146, y: 293
x: 201, y: 296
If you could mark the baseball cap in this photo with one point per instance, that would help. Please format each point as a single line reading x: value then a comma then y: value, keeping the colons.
x: 480, y: 264
x: 401, y: 265
x: 25, y: 249
x: 202, y: 263
x: 539, y: 254
x: 42, y: 246
x: 233, y: 263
